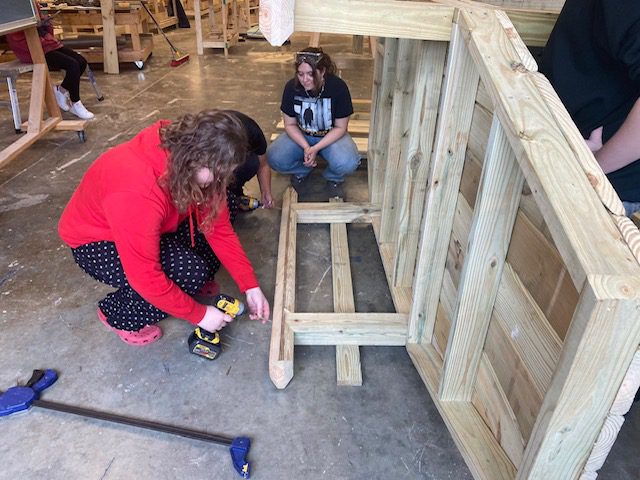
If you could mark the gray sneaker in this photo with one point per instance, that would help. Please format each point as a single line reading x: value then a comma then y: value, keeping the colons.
x: 298, y: 182
x: 334, y: 189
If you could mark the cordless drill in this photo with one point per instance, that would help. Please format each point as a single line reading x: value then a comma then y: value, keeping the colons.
x: 207, y: 344
x: 248, y: 203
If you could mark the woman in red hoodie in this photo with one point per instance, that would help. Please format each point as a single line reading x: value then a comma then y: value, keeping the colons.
x: 58, y: 57
x: 150, y: 218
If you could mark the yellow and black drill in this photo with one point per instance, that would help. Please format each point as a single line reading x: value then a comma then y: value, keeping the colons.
x: 207, y: 344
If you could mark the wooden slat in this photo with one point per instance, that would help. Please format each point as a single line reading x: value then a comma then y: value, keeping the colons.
x: 403, y: 94
x: 322, y: 212
x: 429, y: 71
x: 533, y: 338
x: 495, y: 212
x: 493, y: 406
x: 538, y: 144
x: 281, y: 347
x: 348, y: 368
x: 478, y: 446
x: 389, y: 18
x: 348, y: 328
x: 109, y: 45
x: 19, y: 146
x: 377, y: 154
x: 459, y: 91
x: 598, y: 350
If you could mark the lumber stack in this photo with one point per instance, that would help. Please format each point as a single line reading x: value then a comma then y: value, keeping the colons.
x: 514, y: 272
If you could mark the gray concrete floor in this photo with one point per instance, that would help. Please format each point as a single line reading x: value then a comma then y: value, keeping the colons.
x: 388, y: 428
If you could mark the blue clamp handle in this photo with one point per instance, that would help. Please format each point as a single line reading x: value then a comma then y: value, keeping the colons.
x: 17, y: 399
x: 239, y: 449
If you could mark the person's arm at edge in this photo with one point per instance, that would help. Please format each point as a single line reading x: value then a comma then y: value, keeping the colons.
x: 623, y: 147
x: 264, y: 180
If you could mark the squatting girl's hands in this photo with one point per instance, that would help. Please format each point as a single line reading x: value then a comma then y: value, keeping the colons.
x: 258, y: 305
x: 214, y: 319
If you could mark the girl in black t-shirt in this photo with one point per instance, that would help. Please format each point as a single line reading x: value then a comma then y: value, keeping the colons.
x: 316, y: 106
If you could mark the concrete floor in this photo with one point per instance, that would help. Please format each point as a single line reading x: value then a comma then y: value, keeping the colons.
x: 388, y: 428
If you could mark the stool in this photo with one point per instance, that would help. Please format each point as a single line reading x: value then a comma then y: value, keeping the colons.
x: 11, y: 70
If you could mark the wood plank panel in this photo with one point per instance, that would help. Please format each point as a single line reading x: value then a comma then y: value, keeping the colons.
x: 489, y: 238
x: 429, y: 71
x: 459, y: 91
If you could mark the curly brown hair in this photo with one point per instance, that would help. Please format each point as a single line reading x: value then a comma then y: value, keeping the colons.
x: 212, y: 139
x: 318, y: 60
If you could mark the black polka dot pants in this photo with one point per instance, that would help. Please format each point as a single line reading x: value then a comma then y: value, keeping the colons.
x: 188, y: 267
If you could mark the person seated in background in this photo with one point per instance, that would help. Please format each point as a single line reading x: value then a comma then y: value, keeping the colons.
x: 592, y: 59
x: 316, y: 106
x: 58, y: 57
x: 151, y: 219
x: 255, y: 163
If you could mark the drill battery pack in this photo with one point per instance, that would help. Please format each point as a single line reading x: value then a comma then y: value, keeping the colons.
x: 205, y: 344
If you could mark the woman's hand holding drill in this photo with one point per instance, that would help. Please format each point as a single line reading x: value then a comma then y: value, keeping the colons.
x: 214, y: 319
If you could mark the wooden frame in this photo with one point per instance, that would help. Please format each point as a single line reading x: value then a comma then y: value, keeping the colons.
x: 501, y: 239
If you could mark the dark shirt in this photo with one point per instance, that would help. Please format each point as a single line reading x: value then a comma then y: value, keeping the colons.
x: 257, y: 142
x: 592, y: 59
x: 316, y: 114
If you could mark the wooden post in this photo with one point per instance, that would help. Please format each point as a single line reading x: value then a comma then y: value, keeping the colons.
x: 348, y: 369
x: 495, y: 212
x: 429, y: 70
x: 398, y: 129
x: 598, y: 349
x: 379, y: 128
x: 282, y: 341
x: 458, y: 97
x: 109, y: 45
x: 197, y: 16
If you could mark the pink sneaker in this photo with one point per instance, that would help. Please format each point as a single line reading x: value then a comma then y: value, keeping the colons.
x: 210, y: 289
x: 144, y: 336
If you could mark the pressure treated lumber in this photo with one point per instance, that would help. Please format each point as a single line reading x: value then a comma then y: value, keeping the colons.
x: 489, y: 238
x: 459, y: 91
x: 389, y: 329
x: 321, y: 212
x: 348, y: 369
x: 430, y: 64
x: 281, y: 348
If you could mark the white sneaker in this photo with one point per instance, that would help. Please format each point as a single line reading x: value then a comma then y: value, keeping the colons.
x: 64, y: 102
x: 80, y: 111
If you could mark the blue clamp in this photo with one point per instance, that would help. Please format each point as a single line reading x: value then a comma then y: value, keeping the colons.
x: 20, y: 398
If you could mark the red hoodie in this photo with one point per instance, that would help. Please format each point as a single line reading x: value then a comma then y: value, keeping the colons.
x: 119, y: 200
x: 18, y: 42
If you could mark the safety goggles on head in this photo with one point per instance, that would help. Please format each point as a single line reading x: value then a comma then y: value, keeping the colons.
x: 312, y: 58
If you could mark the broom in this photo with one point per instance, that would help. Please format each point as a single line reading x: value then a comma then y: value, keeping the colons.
x: 178, y: 57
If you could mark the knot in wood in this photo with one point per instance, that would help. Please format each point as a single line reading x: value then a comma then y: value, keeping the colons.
x: 518, y: 67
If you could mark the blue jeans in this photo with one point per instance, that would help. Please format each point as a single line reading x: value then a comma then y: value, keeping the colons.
x: 342, y: 157
x: 631, y: 207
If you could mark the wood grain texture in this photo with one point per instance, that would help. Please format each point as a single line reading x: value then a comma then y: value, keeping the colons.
x: 379, y: 129
x: 538, y: 144
x: 482, y: 453
x: 348, y: 368
x: 109, y: 46
x: 452, y: 133
x: 492, y: 224
x: 322, y: 212
x: 429, y: 71
x: 281, y: 345
x: 388, y: 329
x: 389, y: 18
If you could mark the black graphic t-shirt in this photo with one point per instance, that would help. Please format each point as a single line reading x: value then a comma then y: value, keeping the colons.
x: 316, y: 114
